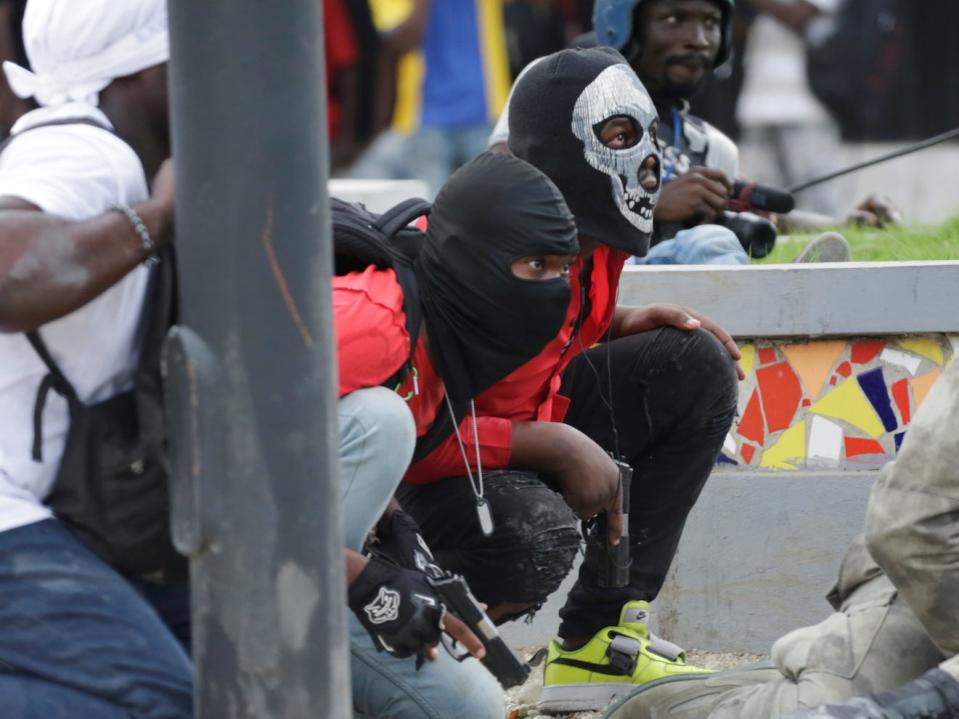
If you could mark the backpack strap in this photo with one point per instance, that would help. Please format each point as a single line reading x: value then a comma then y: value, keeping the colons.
x: 398, y: 217
x: 53, y: 123
x: 69, y: 121
x: 413, y: 311
x: 391, y: 223
x: 55, y: 380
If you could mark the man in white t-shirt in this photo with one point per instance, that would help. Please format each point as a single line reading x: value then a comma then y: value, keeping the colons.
x: 77, y: 222
x: 788, y: 136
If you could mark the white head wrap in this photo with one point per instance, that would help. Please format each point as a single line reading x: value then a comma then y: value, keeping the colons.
x: 78, y: 47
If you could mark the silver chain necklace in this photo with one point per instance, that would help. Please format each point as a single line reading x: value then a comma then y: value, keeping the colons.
x: 482, y: 506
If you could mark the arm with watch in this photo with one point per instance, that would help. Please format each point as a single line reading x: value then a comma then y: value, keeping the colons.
x: 50, y: 266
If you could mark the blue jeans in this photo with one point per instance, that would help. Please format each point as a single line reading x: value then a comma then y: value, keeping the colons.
x: 700, y: 245
x: 77, y: 640
x: 377, y: 436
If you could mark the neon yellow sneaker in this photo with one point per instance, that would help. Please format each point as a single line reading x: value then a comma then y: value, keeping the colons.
x: 611, y: 664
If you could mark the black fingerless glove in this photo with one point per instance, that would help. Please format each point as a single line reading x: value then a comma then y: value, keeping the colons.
x: 397, y: 606
x: 400, y: 540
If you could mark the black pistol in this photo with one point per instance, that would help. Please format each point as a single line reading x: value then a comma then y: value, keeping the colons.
x: 502, y: 661
x: 615, y: 559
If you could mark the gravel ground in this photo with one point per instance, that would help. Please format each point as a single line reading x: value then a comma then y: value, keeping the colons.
x: 521, y: 701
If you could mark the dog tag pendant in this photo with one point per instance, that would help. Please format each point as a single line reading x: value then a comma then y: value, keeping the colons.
x: 485, y: 516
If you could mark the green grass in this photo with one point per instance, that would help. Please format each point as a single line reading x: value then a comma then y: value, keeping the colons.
x: 883, y: 245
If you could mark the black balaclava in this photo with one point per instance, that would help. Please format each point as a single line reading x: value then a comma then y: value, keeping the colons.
x: 483, y: 322
x: 555, y: 113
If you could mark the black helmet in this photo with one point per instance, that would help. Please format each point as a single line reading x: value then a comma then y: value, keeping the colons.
x: 613, y: 23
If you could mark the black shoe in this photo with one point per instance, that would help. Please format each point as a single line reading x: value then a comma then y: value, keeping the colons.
x: 934, y: 695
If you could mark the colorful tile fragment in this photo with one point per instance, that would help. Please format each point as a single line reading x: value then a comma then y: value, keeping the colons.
x: 910, y: 363
x: 813, y: 362
x: 729, y: 444
x: 848, y: 403
x: 767, y: 355
x: 825, y: 442
x: 789, y: 451
x: 856, y: 446
x: 922, y: 385
x: 924, y: 347
x: 748, y: 359
x: 751, y: 426
x: 900, y: 393
x: 899, y: 437
x: 874, y: 387
x: 781, y: 393
x: 866, y: 351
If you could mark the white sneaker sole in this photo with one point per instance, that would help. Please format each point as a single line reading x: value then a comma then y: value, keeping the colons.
x: 828, y: 247
x: 581, y: 697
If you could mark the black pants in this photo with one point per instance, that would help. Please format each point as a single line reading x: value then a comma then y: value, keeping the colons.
x: 673, y: 397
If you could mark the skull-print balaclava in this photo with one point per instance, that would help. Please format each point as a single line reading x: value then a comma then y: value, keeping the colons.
x: 555, y: 114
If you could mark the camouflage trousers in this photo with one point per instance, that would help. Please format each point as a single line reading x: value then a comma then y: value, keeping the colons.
x: 896, y: 600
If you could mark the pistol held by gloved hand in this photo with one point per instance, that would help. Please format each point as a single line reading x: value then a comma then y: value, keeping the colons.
x: 402, y: 612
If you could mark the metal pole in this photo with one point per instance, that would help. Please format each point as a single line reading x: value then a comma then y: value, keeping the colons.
x: 251, y: 370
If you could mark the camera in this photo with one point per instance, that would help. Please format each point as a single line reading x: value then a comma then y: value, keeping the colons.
x: 756, y: 234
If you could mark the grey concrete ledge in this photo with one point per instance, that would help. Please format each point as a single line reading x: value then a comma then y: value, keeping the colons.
x: 759, y: 553
x: 829, y: 299
x: 758, y: 556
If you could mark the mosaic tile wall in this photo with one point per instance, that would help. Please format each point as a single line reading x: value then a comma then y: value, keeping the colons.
x: 832, y: 404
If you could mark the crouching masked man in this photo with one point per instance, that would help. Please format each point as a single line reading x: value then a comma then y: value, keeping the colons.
x: 493, y: 282
x: 658, y: 390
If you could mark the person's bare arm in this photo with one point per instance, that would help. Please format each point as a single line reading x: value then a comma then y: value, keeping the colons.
x: 408, y: 35
x: 699, y: 196
x: 394, y: 44
x: 795, y: 15
x: 50, y: 267
x: 586, y: 476
x: 347, y: 88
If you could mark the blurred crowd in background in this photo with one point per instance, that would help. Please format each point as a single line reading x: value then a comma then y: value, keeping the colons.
x: 414, y: 86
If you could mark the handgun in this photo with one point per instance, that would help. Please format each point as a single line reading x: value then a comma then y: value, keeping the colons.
x: 502, y: 661
x: 615, y: 560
